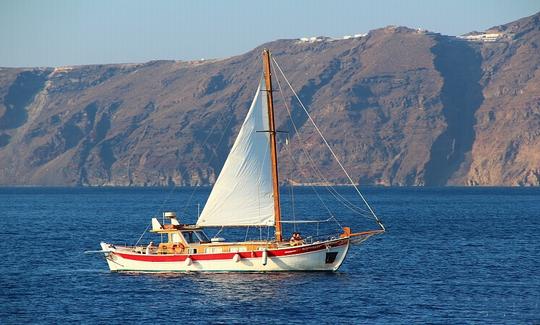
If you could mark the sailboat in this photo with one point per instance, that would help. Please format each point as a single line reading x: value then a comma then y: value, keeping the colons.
x: 245, y: 194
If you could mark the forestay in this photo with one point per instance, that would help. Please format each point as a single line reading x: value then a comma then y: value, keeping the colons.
x: 242, y: 194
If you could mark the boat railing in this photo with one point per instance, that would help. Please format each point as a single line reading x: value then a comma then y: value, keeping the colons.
x: 320, y: 238
x: 355, y: 238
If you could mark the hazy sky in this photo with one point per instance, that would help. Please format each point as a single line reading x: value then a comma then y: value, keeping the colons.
x: 69, y: 32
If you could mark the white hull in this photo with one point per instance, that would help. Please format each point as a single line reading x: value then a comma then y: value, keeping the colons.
x: 324, y: 256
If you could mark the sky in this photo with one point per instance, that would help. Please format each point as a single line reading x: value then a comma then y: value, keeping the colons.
x: 70, y: 32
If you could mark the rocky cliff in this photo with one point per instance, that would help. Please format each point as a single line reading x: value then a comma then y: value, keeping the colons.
x: 399, y: 107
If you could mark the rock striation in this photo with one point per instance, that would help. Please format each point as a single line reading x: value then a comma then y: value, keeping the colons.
x: 399, y: 106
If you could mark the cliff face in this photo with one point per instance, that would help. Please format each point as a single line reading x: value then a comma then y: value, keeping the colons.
x: 506, y: 149
x: 399, y: 107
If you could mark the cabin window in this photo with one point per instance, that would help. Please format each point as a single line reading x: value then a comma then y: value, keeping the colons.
x: 190, y: 237
x: 195, y: 237
x: 202, y: 237
x: 238, y: 249
x: 213, y: 250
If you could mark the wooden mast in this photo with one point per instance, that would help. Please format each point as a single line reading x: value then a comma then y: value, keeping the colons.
x: 273, y: 145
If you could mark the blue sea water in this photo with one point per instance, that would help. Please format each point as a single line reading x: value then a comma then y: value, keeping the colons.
x: 449, y: 256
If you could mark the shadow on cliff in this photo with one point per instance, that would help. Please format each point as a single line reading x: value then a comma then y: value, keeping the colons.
x: 97, y: 139
x: 461, y: 96
x: 20, y: 94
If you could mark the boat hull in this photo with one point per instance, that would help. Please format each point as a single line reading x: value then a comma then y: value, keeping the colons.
x: 322, y: 256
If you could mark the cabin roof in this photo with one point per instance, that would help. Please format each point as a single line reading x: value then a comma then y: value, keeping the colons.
x: 168, y: 228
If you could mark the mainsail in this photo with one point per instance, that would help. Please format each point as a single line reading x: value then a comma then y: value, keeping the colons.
x: 242, y: 194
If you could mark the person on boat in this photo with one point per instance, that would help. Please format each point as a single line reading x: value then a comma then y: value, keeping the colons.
x: 149, y: 248
x: 296, y: 239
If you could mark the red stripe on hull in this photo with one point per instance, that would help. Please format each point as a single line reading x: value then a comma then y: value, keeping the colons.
x: 225, y: 256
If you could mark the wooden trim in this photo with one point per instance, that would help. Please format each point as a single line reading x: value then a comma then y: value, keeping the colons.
x: 370, y: 232
x: 273, y: 145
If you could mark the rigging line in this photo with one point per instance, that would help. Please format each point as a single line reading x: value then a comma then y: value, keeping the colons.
x: 310, y: 221
x: 220, y: 230
x: 348, y: 204
x: 314, y: 190
x: 331, y: 189
x: 129, y: 168
x: 294, y: 161
x: 337, y: 221
x: 213, y: 152
x: 266, y: 153
x: 134, y: 150
x: 291, y: 188
x: 328, y: 146
x: 247, y: 231
x: 351, y: 206
x: 293, y: 203
x: 144, y: 232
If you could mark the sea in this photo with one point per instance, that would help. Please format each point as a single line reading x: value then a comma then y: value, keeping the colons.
x: 449, y: 256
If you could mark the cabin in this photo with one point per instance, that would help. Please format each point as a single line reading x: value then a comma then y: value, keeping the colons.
x: 190, y: 239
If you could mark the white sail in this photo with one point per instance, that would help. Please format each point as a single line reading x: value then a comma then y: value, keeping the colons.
x: 242, y: 194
